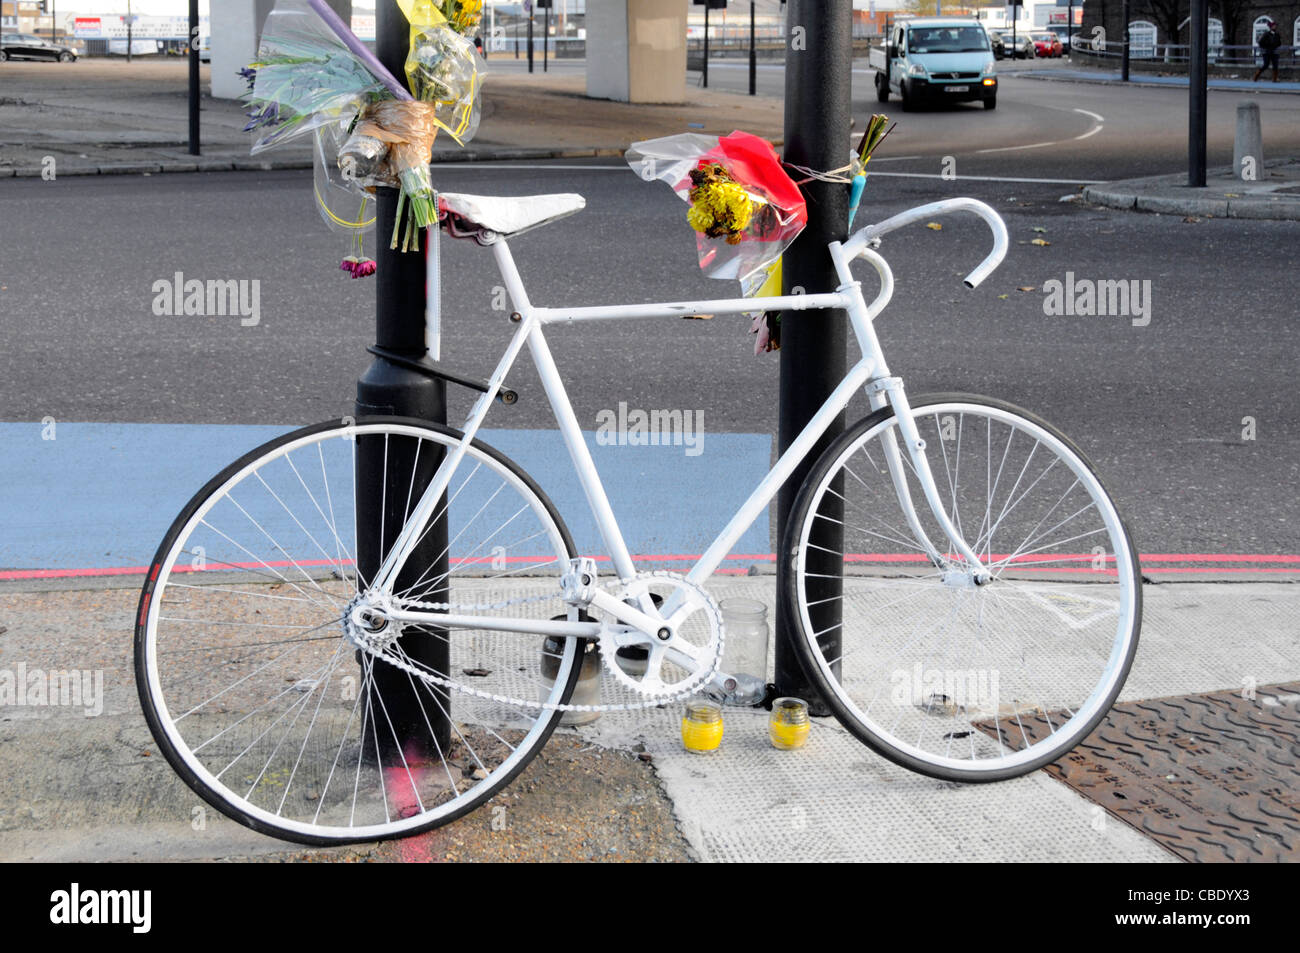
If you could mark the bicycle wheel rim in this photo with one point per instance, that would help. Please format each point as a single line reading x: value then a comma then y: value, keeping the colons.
x: 1085, y: 708
x: 182, y: 751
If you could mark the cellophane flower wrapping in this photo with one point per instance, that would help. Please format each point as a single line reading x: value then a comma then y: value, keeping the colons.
x: 444, y: 68
x: 743, y: 206
x: 304, y: 77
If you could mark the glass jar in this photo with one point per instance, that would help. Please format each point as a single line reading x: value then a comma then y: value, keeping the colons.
x: 745, y: 630
x: 702, y: 727
x: 788, y: 725
x: 586, y: 692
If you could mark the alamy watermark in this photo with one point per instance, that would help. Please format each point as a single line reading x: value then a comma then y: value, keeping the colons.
x: 943, y: 690
x: 651, y: 428
x: 37, y: 688
x: 1105, y: 297
x: 133, y: 908
x: 216, y: 297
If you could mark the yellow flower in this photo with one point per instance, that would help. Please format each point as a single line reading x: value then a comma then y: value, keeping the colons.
x: 720, y: 209
x: 700, y: 218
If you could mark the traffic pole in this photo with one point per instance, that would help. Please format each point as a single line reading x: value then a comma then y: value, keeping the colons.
x: 819, y: 67
x: 529, y: 9
x: 546, y: 39
x: 1123, y: 61
x: 193, y: 55
x: 410, y: 705
x: 753, y: 54
x: 705, y: 65
x: 1197, y: 82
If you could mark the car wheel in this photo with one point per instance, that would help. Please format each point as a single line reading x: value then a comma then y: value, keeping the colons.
x: 904, y: 97
x: 991, y: 103
x: 3, y: 56
x: 882, y: 89
x: 66, y: 57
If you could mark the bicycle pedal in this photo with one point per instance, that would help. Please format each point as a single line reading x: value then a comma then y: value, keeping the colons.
x: 578, y: 585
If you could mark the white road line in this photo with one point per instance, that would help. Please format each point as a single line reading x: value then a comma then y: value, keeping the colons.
x: 981, y: 178
x: 1097, y: 127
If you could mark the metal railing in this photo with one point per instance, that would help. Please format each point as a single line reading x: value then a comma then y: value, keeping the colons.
x: 1179, y: 53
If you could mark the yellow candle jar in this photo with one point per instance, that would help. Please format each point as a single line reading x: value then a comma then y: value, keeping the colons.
x: 702, y: 727
x: 788, y: 727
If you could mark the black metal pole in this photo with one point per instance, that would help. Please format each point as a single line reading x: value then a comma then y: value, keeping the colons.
x: 193, y: 54
x: 1123, y: 62
x: 705, y: 65
x: 753, y: 54
x: 129, y: 30
x: 54, y: 22
x: 817, y: 122
x: 1069, y: 27
x: 546, y: 39
x: 530, y: 41
x: 1196, y: 91
x: 387, y: 388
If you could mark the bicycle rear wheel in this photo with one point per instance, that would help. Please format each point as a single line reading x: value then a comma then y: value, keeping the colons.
x: 265, y: 705
x: 950, y: 678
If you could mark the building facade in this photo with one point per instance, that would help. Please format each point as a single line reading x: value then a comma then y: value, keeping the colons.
x: 1158, y: 29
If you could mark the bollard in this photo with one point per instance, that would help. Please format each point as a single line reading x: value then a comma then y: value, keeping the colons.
x: 1248, y: 148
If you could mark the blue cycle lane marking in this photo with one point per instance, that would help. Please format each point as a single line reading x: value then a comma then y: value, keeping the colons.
x: 101, y: 496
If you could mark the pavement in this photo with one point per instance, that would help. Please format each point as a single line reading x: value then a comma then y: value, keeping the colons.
x: 623, y: 788
x: 103, y: 117
x: 1274, y: 195
x: 1088, y: 75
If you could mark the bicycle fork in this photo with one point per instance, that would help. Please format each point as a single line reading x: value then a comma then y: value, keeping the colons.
x: 885, y: 390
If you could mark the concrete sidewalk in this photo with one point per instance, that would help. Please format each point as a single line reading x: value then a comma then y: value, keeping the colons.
x: 1112, y: 77
x: 1275, y: 195
x: 107, y: 116
x: 623, y: 788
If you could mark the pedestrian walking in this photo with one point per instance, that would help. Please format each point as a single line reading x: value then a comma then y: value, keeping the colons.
x: 1268, y: 42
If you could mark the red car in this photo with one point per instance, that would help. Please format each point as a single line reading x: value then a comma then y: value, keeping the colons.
x: 1046, y: 44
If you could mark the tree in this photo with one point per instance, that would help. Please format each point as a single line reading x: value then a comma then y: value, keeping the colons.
x: 1231, y: 14
x: 1169, y: 14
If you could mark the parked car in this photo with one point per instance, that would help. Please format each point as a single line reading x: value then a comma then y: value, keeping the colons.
x: 25, y: 46
x: 999, y: 45
x: 1019, y: 48
x: 936, y: 58
x: 1046, y: 44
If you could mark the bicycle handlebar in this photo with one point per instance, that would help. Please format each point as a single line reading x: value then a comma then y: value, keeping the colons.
x: 854, y: 246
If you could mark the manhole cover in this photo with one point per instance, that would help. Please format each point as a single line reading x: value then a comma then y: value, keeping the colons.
x: 1212, y: 777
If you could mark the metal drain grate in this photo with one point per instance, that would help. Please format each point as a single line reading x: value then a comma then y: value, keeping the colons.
x: 1212, y: 777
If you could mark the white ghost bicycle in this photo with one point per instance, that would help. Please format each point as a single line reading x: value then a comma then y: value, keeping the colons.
x: 365, y: 628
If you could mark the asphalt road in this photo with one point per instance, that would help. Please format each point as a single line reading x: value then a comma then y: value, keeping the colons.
x: 1159, y: 408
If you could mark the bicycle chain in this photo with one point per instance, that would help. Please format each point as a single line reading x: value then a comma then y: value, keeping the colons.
x: 654, y: 701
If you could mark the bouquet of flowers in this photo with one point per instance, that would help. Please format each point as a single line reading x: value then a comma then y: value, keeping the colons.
x: 313, y: 75
x: 744, y: 208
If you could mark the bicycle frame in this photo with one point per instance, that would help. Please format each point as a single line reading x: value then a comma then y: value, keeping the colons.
x: 870, y: 372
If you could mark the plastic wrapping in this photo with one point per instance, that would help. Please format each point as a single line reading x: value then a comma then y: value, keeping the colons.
x: 313, y: 75
x: 304, y: 77
x: 744, y: 208
x: 443, y: 67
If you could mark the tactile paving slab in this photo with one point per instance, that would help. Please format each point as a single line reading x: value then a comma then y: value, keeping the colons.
x: 1213, y: 777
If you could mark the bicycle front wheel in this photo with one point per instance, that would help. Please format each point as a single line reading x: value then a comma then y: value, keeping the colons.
x: 943, y: 673
x: 265, y: 702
